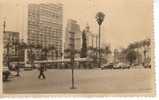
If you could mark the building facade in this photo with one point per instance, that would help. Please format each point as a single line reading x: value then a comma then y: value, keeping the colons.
x: 10, y: 40
x: 142, y: 53
x: 73, y: 28
x: 45, y: 23
x: 91, y: 38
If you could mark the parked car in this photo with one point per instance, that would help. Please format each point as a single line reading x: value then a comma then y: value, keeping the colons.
x: 125, y: 66
x: 147, y: 65
x: 6, y: 73
x: 117, y: 66
x: 121, y: 66
x: 107, y: 66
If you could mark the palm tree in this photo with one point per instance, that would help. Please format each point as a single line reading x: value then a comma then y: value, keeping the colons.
x: 100, y: 18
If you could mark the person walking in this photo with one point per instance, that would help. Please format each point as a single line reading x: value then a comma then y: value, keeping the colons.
x: 42, y: 69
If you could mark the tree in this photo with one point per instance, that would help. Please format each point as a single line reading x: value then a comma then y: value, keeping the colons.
x: 100, y: 18
x: 67, y: 53
x: 56, y: 51
x: 39, y: 48
x: 44, y: 53
x: 131, y: 56
x: 131, y: 46
x: 7, y: 56
x: 19, y: 46
x: 31, y: 55
x: 146, y: 44
x: 107, y: 50
x: 50, y: 49
x: 84, y: 45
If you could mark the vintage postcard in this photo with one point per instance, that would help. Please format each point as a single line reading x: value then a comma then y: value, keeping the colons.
x: 77, y: 48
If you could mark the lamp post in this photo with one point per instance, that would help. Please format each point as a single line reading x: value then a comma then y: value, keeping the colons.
x: 96, y: 48
x: 8, y: 44
x: 72, y: 45
x: 99, y: 65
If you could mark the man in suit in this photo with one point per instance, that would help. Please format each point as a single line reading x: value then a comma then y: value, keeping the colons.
x: 42, y: 69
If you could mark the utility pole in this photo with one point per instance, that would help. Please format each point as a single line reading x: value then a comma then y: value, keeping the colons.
x: 8, y: 44
x: 4, y: 26
x: 99, y: 64
x: 72, y: 46
x: 92, y: 40
x: 97, y: 48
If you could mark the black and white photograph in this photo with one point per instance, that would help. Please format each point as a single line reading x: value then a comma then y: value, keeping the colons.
x: 77, y: 47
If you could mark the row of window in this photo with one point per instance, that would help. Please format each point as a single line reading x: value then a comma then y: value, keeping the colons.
x: 52, y: 8
x: 41, y: 23
x: 45, y: 32
x: 44, y: 25
x: 50, y: 14
x: 35, y: 35
x: 44, y: 41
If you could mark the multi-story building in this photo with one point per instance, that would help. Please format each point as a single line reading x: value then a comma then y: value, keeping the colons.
x: 45, y: 23
x: 9, y: 44
x: 90, y: 37
x: 142, y: 51
x: 73, y: 27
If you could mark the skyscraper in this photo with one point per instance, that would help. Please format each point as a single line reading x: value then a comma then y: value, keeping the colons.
x: 90, y: 37
x: 45, y: 23
x: 73, y: 27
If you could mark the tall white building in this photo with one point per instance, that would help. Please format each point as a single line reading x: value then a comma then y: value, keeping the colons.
x: 38, y: 23
x: 45, y: 23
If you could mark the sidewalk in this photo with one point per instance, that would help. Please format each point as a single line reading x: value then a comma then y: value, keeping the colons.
x: 86, y: 81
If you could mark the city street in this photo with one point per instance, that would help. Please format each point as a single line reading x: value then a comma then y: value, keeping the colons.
x: 86, y: 81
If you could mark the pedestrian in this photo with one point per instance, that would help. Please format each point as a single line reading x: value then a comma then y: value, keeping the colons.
x: 17, y: 68
x: 41, y: 69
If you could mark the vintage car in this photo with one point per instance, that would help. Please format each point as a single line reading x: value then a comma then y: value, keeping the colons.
x: 121, y: 66
x: 107, y: 66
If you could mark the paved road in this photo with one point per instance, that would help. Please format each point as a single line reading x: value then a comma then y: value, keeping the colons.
x: 86, y: 81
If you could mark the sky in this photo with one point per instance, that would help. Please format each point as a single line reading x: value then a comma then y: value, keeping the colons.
x: 125, y: 21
